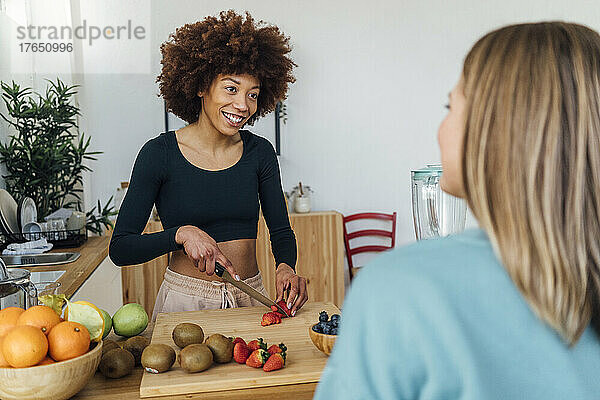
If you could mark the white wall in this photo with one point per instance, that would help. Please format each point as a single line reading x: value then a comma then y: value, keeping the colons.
x: 372, y: 81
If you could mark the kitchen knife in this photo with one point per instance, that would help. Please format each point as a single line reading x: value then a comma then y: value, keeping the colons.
x: 222, y: 272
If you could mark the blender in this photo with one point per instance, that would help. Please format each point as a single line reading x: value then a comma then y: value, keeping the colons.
x: 435, y: 212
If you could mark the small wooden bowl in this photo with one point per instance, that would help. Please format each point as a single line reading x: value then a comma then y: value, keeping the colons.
x: 322, y: 341
x: 60, y: 380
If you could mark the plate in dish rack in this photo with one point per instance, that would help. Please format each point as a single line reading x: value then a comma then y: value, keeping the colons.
x: 26, y: 212
x: 8, y: 213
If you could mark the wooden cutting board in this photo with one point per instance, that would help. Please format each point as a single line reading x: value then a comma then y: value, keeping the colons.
x: 304, y: 362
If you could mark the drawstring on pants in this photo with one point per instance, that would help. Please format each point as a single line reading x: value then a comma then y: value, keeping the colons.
x: 227, y: 298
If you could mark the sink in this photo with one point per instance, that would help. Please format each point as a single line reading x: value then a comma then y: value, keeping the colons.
x: 34, y: 260
x: 46, y: 276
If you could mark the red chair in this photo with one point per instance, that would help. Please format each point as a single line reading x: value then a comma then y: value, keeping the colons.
x: 351, y: 251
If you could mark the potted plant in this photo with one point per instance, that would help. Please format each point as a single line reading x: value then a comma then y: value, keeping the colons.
x: 44, y: 157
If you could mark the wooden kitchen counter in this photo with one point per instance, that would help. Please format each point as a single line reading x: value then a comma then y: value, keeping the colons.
x: 128, y: 387
x: 100, y: 388
x: 93, y: 251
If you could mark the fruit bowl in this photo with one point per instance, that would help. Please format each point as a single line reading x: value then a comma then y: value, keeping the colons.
x: 322, y: 341
x: 60, y: 380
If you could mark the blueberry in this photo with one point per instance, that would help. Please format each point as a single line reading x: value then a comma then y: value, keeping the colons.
x: 322, y: 326
x: 323, y: 317
x: 334, y: 323
x: 333, y: 331
x: 327, y: 330
x: 317, y: 328
x: 335, y: 317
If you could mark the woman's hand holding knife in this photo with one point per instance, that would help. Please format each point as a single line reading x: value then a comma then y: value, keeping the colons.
x: 203, y: 250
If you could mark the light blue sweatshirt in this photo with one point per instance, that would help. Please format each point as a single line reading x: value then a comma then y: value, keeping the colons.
x: 441, y: 319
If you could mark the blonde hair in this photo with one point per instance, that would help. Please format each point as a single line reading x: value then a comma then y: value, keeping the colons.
x: 531, y: 164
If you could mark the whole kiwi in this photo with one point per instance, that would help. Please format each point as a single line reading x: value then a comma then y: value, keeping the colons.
x: 108, y: 345
x: 195, y: 358
x: 158, y: 358
x: 116, y: 363
x: 221, y: 347
x: 186, y: 333
x: 136, y: 345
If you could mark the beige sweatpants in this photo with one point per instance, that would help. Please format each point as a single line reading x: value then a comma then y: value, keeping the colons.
x: 184, y: 293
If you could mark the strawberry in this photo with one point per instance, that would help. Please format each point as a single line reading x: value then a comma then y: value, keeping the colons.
x: 277, y: 348
x: 270, y: 318
x: 258, y: 358
x: 241, y: 352
x: 257, y: 344
x: 277, y: 312
x: 282, y: 304
x: 238, y: 340
x: 267, y: 319
x: 275, y: 362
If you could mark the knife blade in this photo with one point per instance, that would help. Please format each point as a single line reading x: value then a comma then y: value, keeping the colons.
x: 244, y: 287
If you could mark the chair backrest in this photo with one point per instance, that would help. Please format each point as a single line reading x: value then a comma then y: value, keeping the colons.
x: 348, y: 236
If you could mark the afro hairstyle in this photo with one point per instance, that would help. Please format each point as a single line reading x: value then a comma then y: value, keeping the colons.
x: 197, y: 53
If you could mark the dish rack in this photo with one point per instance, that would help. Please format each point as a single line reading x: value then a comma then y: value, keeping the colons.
x: 60, y: 239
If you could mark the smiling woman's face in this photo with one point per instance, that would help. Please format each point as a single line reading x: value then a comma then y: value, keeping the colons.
x: 229, y: 102
x: 450, y: 139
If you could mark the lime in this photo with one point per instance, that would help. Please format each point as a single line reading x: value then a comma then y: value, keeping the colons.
x: 107, y: 323
x: 130, y: 320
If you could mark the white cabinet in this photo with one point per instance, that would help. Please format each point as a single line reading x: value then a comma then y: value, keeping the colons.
x: 103, y: 287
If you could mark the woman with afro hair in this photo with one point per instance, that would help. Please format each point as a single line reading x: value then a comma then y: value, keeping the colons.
x: 209, y: 179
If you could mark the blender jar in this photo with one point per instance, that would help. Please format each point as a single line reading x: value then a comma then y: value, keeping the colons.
x: 435, y: 212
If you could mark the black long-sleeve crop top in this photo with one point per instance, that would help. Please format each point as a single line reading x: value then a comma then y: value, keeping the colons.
x: 224, y: 204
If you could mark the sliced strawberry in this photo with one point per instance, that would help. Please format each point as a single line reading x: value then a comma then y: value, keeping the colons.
x: 270, y: 318
x: 241, y: 352
x: 275, y: 362
x: 277, y: 348
x: 276, y: 317
x: 258, y: 358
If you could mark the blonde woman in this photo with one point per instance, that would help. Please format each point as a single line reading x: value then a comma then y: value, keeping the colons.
x: 510, y: 311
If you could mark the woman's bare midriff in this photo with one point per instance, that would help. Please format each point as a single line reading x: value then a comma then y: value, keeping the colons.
x: 241, y: 253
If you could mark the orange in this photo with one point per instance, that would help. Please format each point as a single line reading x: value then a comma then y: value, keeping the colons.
x: 3, y: 362
x: 24, y: 346
x: 42, y: 317
x: 46, y: 361
x: 68, y: 340
x: 8, y: 318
